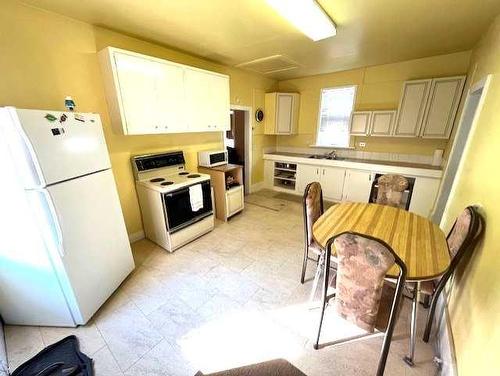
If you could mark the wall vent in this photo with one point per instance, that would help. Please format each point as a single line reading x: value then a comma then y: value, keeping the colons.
x: 270, y: 64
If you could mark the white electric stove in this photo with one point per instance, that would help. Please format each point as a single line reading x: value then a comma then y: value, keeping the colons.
x: 163, y: 187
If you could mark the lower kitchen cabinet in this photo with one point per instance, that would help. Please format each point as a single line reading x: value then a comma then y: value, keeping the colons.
x: 332, y: 182
x: 343, y: 184
x: 331, y: 179
x: 306, y: 174
x: 357, y: 186
x: 234, y: 200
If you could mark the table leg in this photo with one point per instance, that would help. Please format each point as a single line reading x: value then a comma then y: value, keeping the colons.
x: 413, y: 331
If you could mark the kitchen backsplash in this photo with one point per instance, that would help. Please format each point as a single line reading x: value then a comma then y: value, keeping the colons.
x: 356, y: 154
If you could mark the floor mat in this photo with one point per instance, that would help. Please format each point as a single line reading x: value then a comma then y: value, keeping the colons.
x: 265, y: 202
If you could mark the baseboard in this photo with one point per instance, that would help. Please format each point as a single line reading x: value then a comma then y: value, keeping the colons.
x: 257, y: 187
x: 443, y: 343
x: 136, y: 236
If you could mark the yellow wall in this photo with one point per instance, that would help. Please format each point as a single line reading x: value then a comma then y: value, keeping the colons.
x: 45, y: 57
x: 474, y: 304
x: 379, y: 88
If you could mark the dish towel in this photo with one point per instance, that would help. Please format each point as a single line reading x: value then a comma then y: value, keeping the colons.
x: 196, y: 197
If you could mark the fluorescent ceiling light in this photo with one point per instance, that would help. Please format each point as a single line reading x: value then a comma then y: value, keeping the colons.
x: 307, y: 16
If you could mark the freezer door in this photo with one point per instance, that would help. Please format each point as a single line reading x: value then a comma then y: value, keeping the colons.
x: 95, y: 248
x: 52, y: 146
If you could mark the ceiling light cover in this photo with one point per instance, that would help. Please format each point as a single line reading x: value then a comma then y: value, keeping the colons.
x: 307, y: 16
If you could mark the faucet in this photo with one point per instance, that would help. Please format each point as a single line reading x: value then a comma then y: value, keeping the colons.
x: 331, y: 155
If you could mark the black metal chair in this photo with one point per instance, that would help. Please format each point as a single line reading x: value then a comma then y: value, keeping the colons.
x: 462, y: 239
x: 361, y: 295
x: 313, y: 208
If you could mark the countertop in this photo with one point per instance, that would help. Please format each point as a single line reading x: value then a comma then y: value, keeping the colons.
x: 407, y: 168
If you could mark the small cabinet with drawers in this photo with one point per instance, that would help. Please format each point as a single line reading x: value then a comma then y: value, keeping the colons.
x: 229, y: 192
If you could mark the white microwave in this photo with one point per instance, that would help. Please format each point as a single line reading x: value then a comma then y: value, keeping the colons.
x: 212, y: 158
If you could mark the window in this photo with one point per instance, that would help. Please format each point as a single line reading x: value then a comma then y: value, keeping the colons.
x: 336, y: 105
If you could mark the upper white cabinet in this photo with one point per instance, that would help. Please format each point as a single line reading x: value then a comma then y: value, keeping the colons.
x: 282, y: 113
x: 147, y: 95
x: 428, y: 107
x: 442, y: 107
x: 207, y: 102
x: 360, y: 123
x: 372, y: 123
x: 412, y: 107
x: 137, y: 83
x: 382, y: 123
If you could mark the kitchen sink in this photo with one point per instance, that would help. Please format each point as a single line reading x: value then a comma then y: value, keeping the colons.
x: 328, y: 157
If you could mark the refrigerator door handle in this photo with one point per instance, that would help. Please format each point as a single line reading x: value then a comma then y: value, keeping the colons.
x: 55, y: 222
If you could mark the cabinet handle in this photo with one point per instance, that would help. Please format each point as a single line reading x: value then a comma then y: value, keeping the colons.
x: 323, y: 172
x: 317, y: 171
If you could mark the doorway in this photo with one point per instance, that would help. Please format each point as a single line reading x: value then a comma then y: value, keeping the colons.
x: 238, y: 141
x: 472, y: 108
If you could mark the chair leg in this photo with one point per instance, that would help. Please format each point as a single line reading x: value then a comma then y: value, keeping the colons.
x: 317, y: 276
x: 430, y: 317
x: 326, y: 276
x: 304, y: 264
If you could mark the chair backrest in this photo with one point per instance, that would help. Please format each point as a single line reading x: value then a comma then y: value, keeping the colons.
x: 363, y: 263
x: 463, y: 231
x: 390, y: 189
x: 313, y: 208
x: 463, y: 236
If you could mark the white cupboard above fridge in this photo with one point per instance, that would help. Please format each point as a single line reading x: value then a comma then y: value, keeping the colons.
x: 147, y: 95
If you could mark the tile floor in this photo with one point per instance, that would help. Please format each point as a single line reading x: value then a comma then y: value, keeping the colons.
x: 230, y: 298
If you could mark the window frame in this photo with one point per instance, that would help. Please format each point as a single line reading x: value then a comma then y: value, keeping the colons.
x: 318, y: 122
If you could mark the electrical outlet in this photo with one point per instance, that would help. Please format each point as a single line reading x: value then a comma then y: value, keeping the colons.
x: 362, y: 144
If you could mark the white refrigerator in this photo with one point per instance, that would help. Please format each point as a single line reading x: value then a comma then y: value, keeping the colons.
x: 64, y: 248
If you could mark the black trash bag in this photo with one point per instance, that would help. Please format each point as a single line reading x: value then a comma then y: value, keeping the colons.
x: 62, y: 358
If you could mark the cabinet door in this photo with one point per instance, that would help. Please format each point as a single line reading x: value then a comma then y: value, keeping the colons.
x: 219, y: 98
x: 306, y: 174
x: 137, y: 82
x: 284, y: 113
x: 382, y: 123
x: 198, y: 104
x: 170, y: 100
x: 411, y: 108
x: 207, y: 101
x: 234, y: 201
x: 332, y: 182
x: 357, y: 186
x: 444, y: 99
x: 360, y: 122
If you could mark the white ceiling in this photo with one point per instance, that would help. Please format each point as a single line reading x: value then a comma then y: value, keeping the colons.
x: 232, y: 32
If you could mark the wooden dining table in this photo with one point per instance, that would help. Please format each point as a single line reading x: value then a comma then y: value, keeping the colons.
x: 420, y: 243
